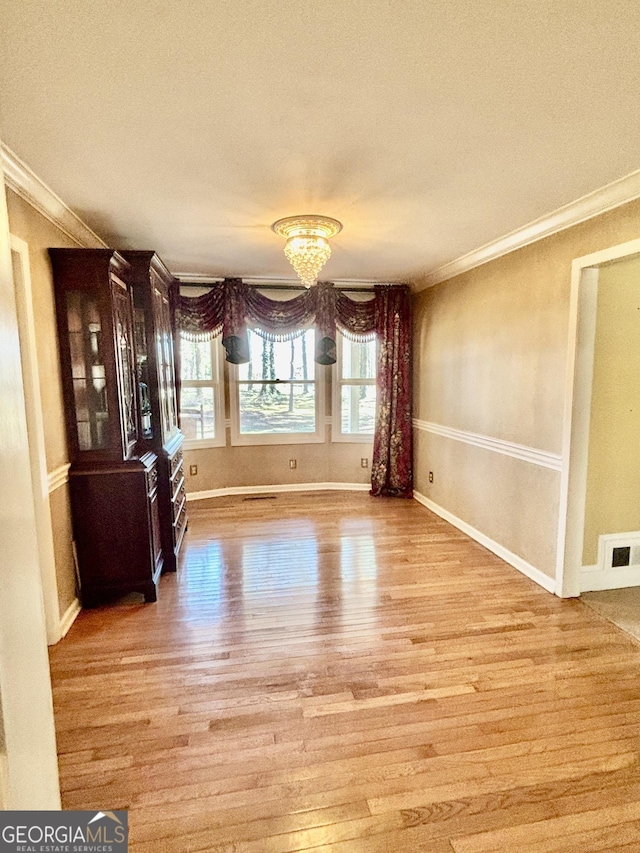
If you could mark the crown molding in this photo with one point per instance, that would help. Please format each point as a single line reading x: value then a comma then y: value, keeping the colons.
x: 20, y: 178
x: 197, y: 278
x: 593, y: 204
x: 25, y: 183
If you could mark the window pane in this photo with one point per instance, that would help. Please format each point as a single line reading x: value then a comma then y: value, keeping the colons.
x: 358, y: 408
x: 358, y: 360
x: 284, y: 407
x: 283, y: 360
x: 195, y: 359
x: 197, y: 418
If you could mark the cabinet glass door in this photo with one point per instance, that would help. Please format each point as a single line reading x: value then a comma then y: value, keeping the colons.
x: 164, y: 358
x: 124, y: 365
x: 88, y: 370
x: 142, y: 373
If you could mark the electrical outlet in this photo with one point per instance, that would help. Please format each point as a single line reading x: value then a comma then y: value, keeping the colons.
x: 364, y: 462
x: 293, y: 463
x: 193, y: 470
x: 431, y: 476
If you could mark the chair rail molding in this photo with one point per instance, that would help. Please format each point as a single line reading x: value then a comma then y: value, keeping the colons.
x: 58, y: 477
x: 20, y: 178
x: 543, y: 458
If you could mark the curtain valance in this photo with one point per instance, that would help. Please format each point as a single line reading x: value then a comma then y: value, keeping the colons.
x: 231, y: 307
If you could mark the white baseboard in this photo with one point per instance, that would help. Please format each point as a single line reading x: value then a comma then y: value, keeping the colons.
x: 69, y: 617
x: 499, y: 550
x: 594, y: 578
x: 280, y: 487
x: 4, y: 782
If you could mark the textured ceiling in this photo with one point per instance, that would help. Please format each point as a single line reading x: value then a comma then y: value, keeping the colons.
x: 428, y: 127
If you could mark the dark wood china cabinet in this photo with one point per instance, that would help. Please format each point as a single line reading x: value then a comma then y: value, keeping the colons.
x: 114, y: 476
x: 155, y: 367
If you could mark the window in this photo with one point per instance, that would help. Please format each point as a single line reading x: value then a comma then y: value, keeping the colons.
x: 354, y: 390
x: 276, y: 395
x: 201, y: 395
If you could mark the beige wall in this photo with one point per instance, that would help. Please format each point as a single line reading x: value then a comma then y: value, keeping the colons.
x: 268, y: 465
x: 490, y: 353
x: 613, y: 478
x: 62, y: 546
x: 29, y: 225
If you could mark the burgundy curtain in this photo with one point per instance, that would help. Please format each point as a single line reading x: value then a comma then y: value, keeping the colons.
x: 232, y: 306
x: 392, y: 462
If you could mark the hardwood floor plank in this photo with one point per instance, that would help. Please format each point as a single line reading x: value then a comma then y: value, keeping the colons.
x: 547, y: 835
x: 333, y: 672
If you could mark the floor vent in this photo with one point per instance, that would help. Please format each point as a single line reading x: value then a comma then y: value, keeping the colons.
x: 620, y: 556
x: 620, y: 550
x: 260, y: 498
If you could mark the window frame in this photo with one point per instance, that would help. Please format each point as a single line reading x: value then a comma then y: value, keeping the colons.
x: 217, y: 383
x: 240, y: 439
x: 337, y: 383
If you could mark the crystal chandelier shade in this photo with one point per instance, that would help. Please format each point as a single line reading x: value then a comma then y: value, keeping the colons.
x: 307, y: 248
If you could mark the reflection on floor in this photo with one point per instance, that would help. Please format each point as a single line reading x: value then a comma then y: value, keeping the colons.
x: 620, y: 606
x: 337, y: 673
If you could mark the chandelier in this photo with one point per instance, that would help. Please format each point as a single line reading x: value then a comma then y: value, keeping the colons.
x: 307, y: 247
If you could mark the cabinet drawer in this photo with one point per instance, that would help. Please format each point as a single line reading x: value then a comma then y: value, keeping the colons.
x: 179, y: 527
x: 180, y: 503
x: 178, y: 490
x: 152, y: 479
x: 175, y: 463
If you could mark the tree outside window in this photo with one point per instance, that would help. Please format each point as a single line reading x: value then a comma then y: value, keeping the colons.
x: 201, y: 418
x: 354, y: 397
x: 277, y: 395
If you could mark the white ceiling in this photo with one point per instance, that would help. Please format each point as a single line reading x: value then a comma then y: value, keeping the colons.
x: 428, y: 127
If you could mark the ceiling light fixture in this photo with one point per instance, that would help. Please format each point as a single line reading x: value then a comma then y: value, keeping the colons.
x: 307, y: 247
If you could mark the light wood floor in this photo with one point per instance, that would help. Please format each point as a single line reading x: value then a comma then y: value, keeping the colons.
x: 351, y: 675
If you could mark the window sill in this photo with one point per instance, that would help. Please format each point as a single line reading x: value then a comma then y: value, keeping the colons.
x: 351, y: 438
x: 253, y: 439
x: 203, y: 443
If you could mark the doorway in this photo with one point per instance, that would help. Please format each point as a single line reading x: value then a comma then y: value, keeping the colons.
x: 35, y: 431
x: 599, y: 536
